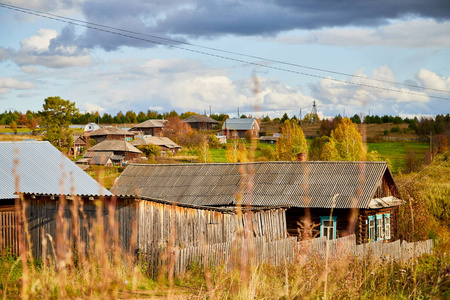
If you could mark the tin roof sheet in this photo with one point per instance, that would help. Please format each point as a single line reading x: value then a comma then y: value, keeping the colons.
x: 297, y: 184
x: 41, y: 168
x: 240, y: 124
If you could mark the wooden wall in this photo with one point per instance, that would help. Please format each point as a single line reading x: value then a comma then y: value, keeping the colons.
x: 188, y: 227
x: 143, y: 225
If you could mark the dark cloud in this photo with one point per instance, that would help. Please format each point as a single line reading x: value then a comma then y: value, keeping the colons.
x: 211, y: 18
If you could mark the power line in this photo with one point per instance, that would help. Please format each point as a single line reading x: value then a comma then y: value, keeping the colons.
x: 108, y: 29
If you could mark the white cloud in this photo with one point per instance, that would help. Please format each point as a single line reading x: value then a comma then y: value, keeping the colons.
x: 11, y: 83
x: 432, y: 80
x: 407, y: 33
x: 37, y: 50
x: 91, y: 107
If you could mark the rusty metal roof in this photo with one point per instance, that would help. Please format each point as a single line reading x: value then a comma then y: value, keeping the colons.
x: 41, y: 168
x: 297, y: 184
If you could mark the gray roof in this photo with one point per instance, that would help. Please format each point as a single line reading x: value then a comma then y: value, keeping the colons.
x: 110, y: 130
x: 274, y: 183
x: 42, y: 169
x: 150, y: 124
x: 156, y: 140
x: 240, y: 124
x: 200, y: 118
x: 113, y: 146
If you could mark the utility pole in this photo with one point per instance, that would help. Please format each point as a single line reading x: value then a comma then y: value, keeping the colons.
x: 431, y: 145
x: 301, y: 117
x: 210, y: 110
x: 238, y: 112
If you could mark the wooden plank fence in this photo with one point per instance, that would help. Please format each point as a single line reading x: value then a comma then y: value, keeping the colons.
x: 259, y: 250
x: 9, y: 241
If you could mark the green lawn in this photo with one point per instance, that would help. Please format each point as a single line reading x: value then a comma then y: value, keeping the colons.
x: 396, y: 152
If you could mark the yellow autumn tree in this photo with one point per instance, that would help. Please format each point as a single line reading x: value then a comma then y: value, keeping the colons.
x: 236, y: 151
x: 323, y: 149
x: 291, y: 142
x: 348, y: 141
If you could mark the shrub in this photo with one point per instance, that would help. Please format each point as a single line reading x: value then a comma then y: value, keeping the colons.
x: 395, y: 129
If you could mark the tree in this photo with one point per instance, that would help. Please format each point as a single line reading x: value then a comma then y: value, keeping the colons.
x: 236, y: 151
x: 291, y: 143
x: 55, y: 119
x: 284, y: 118
x: 175, y: 128
x: 311, y: 118
x: 204, y: 155
x: 348, y: 141
x: 323, y: 149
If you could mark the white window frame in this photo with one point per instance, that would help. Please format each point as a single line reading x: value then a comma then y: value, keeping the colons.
x: 380, y: 227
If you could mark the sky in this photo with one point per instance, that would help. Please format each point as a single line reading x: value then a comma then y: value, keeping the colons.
x: 261, y: 57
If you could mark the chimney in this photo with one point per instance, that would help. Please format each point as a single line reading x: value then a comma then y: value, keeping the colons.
x: 301, y: 156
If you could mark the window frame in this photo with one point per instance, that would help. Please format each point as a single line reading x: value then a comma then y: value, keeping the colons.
x: 322, y: 226
x: 387, y: 226
x: 371, y: 234
x: 379, y: 227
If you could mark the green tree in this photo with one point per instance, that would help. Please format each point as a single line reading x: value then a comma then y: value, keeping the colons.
x: 348, y: 141
x: 55, y: 119
x: 291, y: 143
x: 284, y: 118
x: 323, y: 149
x: 311, y: 118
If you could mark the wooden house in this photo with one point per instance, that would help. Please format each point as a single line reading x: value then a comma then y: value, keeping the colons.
x: 109, y: 133
x: 335, y: 198
x: 201, y: 122
x: 164, y: 143
x: 240, y: 127
x: 114, y: 151
x: 150, y: 127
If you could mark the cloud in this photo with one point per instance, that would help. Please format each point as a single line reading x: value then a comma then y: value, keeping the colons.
x: 212, y: 18
x: 11, y: 83
x: 91, y: 107
x: 404, y: 33
x: 44, y: 49
x: 7, y: 84
x: 187, y: 85
x: 338, y: 95
x: 429, y: 79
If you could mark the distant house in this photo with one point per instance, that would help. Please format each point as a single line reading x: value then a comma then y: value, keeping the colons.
x: 112, y: 151
x: 337, y: 198
x: 109, y: 133
x: 150, y: 127
x: 201, y: 122
x: 270, y: 139
x: 240, y: 126
x: 163, y: 143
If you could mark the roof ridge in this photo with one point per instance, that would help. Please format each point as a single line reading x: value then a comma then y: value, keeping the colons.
x: 268, y: 162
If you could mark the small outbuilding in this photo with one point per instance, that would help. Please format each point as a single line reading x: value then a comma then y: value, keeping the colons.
x: 116, y: 151
x: 201, y: 122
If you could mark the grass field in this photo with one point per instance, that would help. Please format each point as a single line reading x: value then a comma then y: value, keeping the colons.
x: 396, y: 152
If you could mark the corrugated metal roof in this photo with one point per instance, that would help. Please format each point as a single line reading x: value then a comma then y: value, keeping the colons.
x: 298, y: 184
x: 240, y: 124
x: 41, y: 168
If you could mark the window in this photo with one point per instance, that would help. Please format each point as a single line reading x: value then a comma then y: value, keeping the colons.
x: 328, y: 227
x: 371, y: 228
x: 387, y: 226
x: 379, y: 227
